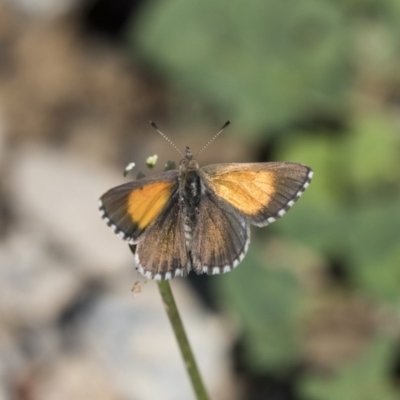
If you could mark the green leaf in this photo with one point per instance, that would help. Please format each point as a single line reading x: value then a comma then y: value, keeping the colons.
x: 374, y: 241
x: 372, y: 148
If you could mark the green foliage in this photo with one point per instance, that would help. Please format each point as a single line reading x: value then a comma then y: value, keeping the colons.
x: 350, y: 211
x: 263, y: 63
x: 268, y: 303
x: 366, y: 378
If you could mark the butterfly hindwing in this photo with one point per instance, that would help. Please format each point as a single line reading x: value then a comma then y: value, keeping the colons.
x: 221, y: 236
x: 161, y: 252
x: 263, y: 192
x: 129, y: 209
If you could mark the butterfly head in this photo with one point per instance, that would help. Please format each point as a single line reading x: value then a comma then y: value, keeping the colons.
x: 189, y: 162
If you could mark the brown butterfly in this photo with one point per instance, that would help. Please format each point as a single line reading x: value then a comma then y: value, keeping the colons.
x: 199, y: 218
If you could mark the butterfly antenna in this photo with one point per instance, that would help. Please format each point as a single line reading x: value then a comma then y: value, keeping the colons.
x: 214, y: 137
x: 165, y: 137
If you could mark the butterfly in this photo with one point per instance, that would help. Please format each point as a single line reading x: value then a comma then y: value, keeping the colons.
x: 199, y: 219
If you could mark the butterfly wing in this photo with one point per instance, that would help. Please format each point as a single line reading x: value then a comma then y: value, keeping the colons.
x: 148, y: 213
x: 263, y: 192
x: 221, y: 237
x: 161, y: 252
x: 129, y: 209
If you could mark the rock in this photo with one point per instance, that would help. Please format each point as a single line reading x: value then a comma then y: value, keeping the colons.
x: 133, y: 338
x: 59, y: 192
x: 44, y: 8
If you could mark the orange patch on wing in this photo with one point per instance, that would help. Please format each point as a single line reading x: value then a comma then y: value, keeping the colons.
x: 145, y: 203
x: 249, y: 191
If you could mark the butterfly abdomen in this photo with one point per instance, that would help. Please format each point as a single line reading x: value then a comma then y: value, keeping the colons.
x: 190, y: 195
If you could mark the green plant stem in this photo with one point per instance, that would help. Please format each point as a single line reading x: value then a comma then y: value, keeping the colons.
x: 180, y: 334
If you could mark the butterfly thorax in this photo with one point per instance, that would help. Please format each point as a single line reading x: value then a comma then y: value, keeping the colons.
x: 190, y: 193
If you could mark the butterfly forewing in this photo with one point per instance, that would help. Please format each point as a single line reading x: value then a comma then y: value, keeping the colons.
x: 263, y: 192
x: 129, y: 209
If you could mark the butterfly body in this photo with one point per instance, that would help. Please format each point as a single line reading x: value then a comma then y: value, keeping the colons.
x: 199, y: 218
x: 190, y: 191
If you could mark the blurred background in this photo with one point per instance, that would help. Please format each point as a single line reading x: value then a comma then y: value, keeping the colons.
x: 313, y: 312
